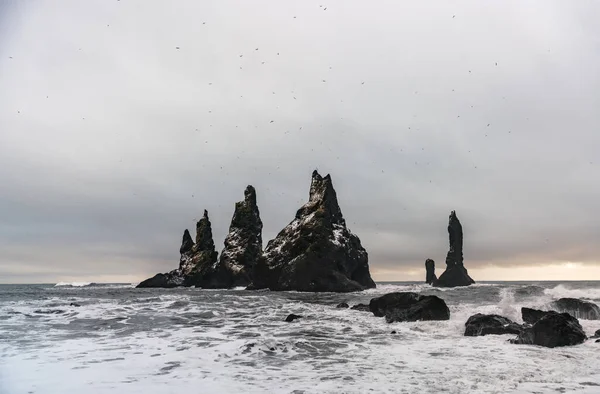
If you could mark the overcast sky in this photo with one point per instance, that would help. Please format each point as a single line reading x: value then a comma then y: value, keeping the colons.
x: 121, y: 121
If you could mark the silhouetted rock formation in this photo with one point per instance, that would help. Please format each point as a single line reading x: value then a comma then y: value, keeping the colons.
x: 531, y: 316
x: 553, y: 330
x: 315, y: 252
x: 479, y: 325
x: 243, y: 244
x: 430, y: 277
x: 343, y: 305
x: 455, y: 274
x: 197, y: 264
x: 577, y: 308
x: 399, y: 307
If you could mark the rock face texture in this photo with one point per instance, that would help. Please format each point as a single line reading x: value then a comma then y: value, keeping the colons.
x: 430, y: 277
x: 407, y: 306
x: 480, y: 324
x: 553, y: 330
x: 243, y: 244
x: 577, y: 308
x: 455, y: 274
x: 315, y: 252
x: 531, y: 316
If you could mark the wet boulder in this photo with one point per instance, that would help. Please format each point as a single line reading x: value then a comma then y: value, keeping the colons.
x: 553, y: 330
x: 407, y: 306
x: 577, y: 308
x: 361, y: 307
x: 531, y: 316
x: 480, y: 324
x: 291, y: 317
x: 342, y: 305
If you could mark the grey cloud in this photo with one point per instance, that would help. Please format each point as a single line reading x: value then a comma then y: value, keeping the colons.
x: 112, y: 140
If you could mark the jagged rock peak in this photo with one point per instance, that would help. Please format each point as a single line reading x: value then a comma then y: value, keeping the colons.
x: 250, y: 195
x: 323, y: 200
x: 187, y: 243
x: 204, y: 237
x: 315, y: 251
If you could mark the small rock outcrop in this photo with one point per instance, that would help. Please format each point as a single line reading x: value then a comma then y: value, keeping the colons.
x: 316, y: 252
x: 407, y: 306
x: 577, y: 308
x: 596, y: 334
x: 531, y: 316
x: 553, y: 330
x: 479, y: 325
x: 456, y: 274
x: 243, y: 244
x: 430, y: 277
x: 291, y: 317
x: 343, y: 305
x: 361, y: 307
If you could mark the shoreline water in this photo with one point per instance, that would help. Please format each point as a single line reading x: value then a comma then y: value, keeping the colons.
x: 224, y: 341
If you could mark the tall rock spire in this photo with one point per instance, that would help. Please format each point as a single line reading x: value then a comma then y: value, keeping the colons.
x: 243, y: 244
x: 456, y: 274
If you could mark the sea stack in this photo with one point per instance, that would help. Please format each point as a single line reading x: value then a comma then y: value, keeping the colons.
x: 315, y: 252
x: 243, y: 244
x: 456, y: 274
x: 197, y: 261
x: 430, y: 277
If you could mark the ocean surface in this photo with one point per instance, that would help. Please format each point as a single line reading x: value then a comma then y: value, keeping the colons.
x: 126, y: 340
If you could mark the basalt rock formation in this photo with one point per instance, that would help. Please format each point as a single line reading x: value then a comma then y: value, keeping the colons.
x: 479, y: 325
x: 197, y: 264
x: 531, y: 316
x: 430, y: 277
x: 456, y: 274
x: 407, y: 306
x: 577, y: 308
x: 315, y: 252
x: 243, y: 244
x: 553, y: 330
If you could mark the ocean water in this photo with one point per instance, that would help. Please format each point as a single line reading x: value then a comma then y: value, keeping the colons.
x: 126, y: 340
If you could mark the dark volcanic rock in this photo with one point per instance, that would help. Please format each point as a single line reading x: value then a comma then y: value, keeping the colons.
x: 74, y: 304
x: 596, y: 334
x: 342, y: 305
x: 578, y: 308
x: 316, y: 251
x: 291, y: 317
x: 430, y: 277
x: 398, y: 307
x: 243, y: 244
x: 456, y: 274
x: 531, y: 316
x: 553, y: 330
x: 197, y: 262
x: 479, y: 324
x: 361, y: 307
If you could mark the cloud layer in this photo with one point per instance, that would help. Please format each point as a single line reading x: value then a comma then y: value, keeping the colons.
x: 121, y: 121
